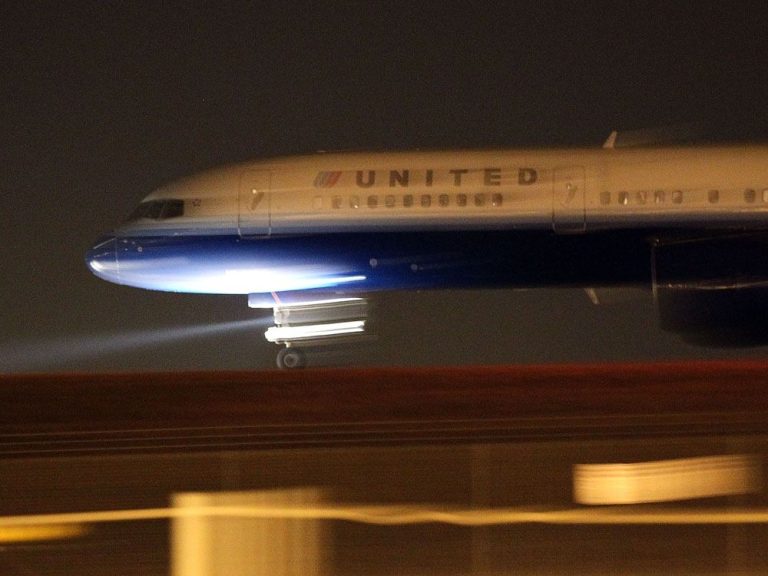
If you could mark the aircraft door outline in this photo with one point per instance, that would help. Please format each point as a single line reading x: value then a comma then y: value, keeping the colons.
x: 568, y: 200
x: 253, y: 206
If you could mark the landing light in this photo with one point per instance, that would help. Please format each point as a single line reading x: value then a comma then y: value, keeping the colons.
x: 312, y: 331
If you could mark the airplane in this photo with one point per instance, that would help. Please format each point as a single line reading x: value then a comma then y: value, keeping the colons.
x: 688, y: 222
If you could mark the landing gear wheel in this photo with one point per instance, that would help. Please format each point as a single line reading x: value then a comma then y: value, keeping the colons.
x: 291, y: 358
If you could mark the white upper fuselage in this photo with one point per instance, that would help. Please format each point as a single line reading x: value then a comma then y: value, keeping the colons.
x: 690, y: 222
x: 572, y: 190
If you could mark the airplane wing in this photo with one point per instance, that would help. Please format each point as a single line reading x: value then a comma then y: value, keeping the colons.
x: 655, y: 136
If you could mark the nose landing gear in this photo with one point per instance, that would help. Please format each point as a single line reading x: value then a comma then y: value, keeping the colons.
x: 306, y: 328
x: 289, y: 358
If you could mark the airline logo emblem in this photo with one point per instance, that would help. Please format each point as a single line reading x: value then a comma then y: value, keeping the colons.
x: 454, y: 177
x: 327, y: 179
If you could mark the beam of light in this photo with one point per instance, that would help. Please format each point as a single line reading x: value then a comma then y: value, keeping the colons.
x: 44, y: 353
x: 393, y: 514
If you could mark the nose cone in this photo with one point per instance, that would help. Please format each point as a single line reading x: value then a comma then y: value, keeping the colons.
x: 102, y: 259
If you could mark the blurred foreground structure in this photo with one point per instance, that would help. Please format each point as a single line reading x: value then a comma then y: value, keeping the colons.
x: 528, y: 470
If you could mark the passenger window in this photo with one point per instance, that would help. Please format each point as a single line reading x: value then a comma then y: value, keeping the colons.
x: 659, y: 197
x: 765, y: 195
x: 461, y: 200
x: 677, y: 197
x: 479, y: 199
x: 373, y: 201
x: 750, y: 196
x: 354, y: 201
x: 713, y: 196
x: 317, y: 202
x: 623, y: 198
x: 408, y: 200
x: 337, y: 202
x: 605, y: 198
x: 426, y: 200
x: 389, y: 201
x: 642, y: 196
x: 443, y: 200
x: 496, y: 200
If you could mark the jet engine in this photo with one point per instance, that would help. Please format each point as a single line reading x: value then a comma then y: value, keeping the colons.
x: 712, y: 290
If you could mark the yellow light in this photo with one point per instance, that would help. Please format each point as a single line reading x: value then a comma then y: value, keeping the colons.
x: 32, y: 533
x: 666, y: 480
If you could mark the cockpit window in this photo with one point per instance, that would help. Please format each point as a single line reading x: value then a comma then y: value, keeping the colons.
x: 158, y: 210
x: 172, y: 209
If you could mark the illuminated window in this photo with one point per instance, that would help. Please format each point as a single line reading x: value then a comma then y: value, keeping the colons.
x: 408, y: 200
x: 354, y: 201
x: 337, y: 202
x: 443, y: 200
x: 750, y: 196
x: 605, y: 198
x: 389, y: 201
x: 461, y: 199
x: 479, y: 199
x: 426, y: 200
x: 373, y: 201
x: 659, y: 197
x: 677, y: 197
x: 642, y: 196
x: 623, y: 198
x: 713, y: 196
x: 765, y: 194
x: 496, y: 200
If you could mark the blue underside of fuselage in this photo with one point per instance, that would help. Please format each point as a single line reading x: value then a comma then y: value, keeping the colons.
x: 352, y: 262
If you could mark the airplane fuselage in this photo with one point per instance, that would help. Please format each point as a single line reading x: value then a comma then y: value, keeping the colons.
x: 362, y: 222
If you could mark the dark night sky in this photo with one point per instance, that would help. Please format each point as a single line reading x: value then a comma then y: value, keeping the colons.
x: 100, y: 103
